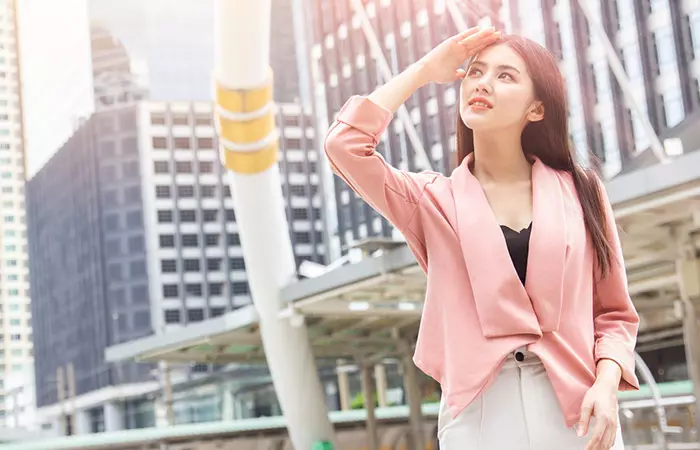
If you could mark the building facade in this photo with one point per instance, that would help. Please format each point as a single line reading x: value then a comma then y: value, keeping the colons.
x: 132, y: 229
x: 15, y: 324
x: 657, y: 41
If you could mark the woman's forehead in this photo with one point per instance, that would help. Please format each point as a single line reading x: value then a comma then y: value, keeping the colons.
x: 499, y: 55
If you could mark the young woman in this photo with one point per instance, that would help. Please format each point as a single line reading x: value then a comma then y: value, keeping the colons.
x: 527, y: 323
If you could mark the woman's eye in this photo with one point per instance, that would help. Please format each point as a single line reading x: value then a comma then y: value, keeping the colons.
x: 474, y: 72
x: 509, y: 76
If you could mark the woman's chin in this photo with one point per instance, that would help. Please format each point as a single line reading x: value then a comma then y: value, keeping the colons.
x: 477, y: 122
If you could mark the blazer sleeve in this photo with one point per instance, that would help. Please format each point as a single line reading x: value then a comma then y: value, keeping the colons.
x: 350, y: 148
x: 616, y: 321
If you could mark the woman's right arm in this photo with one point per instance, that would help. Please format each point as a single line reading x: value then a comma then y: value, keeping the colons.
x: 351, y: 140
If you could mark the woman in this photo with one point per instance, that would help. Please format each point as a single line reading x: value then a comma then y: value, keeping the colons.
x: 527, y: 323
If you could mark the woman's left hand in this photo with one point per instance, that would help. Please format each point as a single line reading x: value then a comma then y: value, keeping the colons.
x: 600, y: 402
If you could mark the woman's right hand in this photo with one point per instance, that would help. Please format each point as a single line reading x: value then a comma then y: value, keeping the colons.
x: 443, y: 63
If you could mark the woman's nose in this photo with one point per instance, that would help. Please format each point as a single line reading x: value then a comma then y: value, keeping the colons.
x: 483, y: 85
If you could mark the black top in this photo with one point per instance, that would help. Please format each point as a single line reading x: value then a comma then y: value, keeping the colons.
x: 518, y: 246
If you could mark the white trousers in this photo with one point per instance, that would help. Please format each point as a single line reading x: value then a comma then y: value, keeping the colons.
x: 518, y: 411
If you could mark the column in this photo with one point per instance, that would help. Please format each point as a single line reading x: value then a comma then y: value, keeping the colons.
x: 368, y: 393
x: 114, y: 416
x: 688, y: 270
x: 343, y: 386
x: 380, y: 378
x: 82, y: 422
x: 415, y: 403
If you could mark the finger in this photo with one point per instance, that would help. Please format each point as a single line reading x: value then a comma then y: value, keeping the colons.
x: 479, y: 42
x: 461, y: 73
x: 608, y: 439
x: 465, y: 34
x: 598, y: 431
x: 582, y: 426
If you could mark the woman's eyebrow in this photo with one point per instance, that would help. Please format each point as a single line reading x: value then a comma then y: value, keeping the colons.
x: 500, y: 67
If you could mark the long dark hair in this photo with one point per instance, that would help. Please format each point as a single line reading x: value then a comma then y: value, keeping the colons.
x: 549, y: 140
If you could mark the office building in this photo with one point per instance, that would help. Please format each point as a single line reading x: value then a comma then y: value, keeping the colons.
x: 658, y: 42
x: 132, y: 232
x: 15, y: 324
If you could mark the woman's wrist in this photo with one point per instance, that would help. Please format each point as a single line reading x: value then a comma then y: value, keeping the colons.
x: 609, y: 373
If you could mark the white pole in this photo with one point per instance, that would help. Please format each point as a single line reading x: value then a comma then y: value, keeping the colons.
x: 245, y: 122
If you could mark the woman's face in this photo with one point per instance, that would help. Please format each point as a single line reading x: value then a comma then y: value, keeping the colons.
x: 497, y: 92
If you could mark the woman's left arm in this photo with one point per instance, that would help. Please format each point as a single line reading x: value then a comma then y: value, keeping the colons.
x: 615, y: 323
x: 615, y: 320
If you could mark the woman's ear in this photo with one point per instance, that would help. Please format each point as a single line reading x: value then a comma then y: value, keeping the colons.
x: 536, y: 112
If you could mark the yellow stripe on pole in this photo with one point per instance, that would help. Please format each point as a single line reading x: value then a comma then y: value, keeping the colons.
x: 244, y: 100
x: 250, y: 162
x: 246, y: 131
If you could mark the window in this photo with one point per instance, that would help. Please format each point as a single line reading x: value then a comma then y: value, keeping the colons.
x: 137, y: 268
x: 166, y: 241
x: 302, y: 237
x: 181, y: 143
x: 183, y: 166
x: 206, y: 167
x: 193, y: 289
x: 211, y: 240
x: 233, y: 239
x: 157, y: 119
x: 165, y: 216
x: 142, y: 319
x: 161, y: 167
x: 237, y: 264
x: 202, y: 119
x: 172, y: 316
x: 185, y: 191
x: 216, y: 312
x: 170, y: 291
x: 214, y: 264
x: 168, y: 266
x: 195, y: 315
x: 162, y: 191
x: 190, y: 240
x: 181, y: 119
x: 205, y: 143
x: 191, y: 265
x: 240, y: 288
x: 230, y: 215
x: 160, y: 142
x: 188, y: 216
x: 215, y: 288
x: 207, y: 191
x: 210, y: 215
x: 133, y: 219
x: 300, y: 214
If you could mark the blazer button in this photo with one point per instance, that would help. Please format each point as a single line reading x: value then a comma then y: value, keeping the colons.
x: 519, y: 356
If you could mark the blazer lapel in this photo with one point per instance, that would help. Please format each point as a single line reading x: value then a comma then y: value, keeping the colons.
x: 502, y: 303
x: 547, y: 253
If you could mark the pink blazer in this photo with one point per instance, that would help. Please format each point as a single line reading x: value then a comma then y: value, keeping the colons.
x: 476, y: 309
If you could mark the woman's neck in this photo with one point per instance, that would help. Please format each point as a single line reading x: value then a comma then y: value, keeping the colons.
x: 500, y: 158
